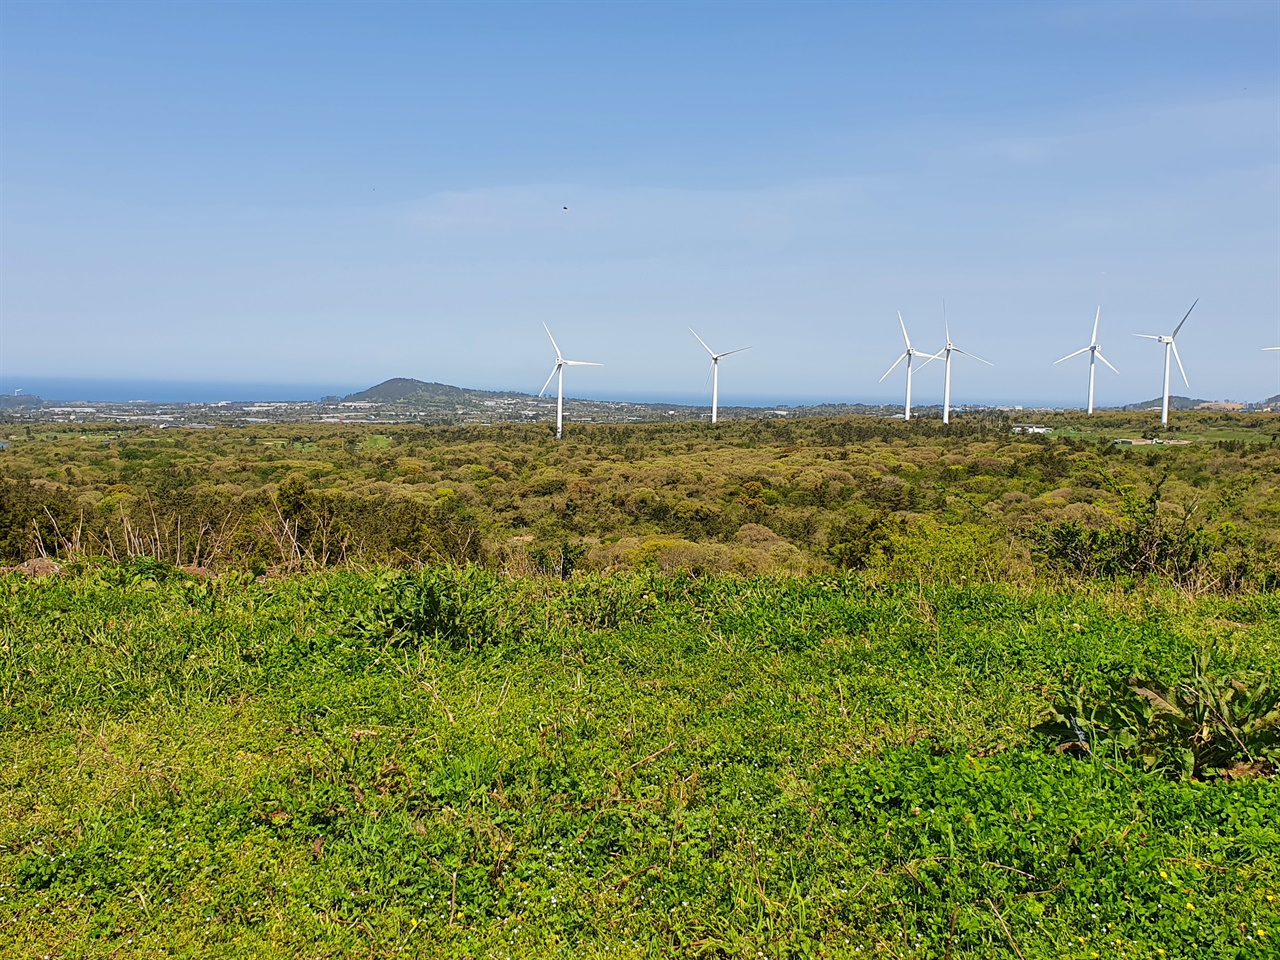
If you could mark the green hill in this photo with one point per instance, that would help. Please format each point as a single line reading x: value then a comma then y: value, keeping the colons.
x: 1175, y: 403
x: 22, y: 401
x: 403, y: 389
x: 408, y: 390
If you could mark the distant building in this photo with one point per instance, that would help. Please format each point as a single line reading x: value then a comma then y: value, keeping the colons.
x: 1030, y: 428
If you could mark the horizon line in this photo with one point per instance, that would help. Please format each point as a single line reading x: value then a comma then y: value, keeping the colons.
x: 640, y: 397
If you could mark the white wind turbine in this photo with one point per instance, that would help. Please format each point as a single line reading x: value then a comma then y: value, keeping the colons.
x: 1095, y: 353
x: 557, y: 373
x: 945, y: 354
x: 715, y: 372
x: 908, y: 355
x: 1170, y: 346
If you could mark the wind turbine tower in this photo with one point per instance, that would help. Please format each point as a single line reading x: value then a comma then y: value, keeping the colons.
x: 945, y: 354
x: 557, y: 373
x: 715, y: 372
x: 1095, y: 353
x: 1170, y: 347
x: 910, y: 353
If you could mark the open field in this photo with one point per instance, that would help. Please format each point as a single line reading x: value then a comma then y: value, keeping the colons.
x: 461, y: 764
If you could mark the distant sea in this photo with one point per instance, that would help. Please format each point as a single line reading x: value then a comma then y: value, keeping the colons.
x: 171, y: 391
x: 69, y: 389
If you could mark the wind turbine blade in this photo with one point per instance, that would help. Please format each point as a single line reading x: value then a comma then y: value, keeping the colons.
x: 1076, y: 354
x: 580, y: 363
x: 711, y: 367
x: 1184, y: 319
x: 979, y: 359
x: 1265, y: 349
x: 553, y: 341
x: 1180, y: 367
x: 1106, y: 361
x: 730, y: 353
x: 893, y: 368
x: 904, y: 330
x: 1146, y: 336
x: 701, y: 341
x: 554, y: 370
x: 932, y: 357
x: 1096, y: 317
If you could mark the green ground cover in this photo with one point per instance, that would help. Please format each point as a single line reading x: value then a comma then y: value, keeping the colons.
x: 456, y: 763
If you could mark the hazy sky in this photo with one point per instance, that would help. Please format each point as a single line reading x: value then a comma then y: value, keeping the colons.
x: 329, y: 193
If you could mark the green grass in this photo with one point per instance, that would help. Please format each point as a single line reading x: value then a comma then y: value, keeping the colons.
x: 631, y: 766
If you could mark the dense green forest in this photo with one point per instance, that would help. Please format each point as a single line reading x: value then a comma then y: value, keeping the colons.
x: 786, y: 689
x: 919, y: 500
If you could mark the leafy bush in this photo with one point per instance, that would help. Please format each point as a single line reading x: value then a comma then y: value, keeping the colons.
x: 1239, y: 561
x: 1143, y: 540
x: 556, y: 559
x: 1206, y: 726
x: 32, y: 513
x: 854, y: 542
x: 925, y: 550
x: 463, y: 607
x: 604, y: 602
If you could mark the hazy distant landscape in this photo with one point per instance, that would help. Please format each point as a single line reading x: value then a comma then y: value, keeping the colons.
x: 414, y: 401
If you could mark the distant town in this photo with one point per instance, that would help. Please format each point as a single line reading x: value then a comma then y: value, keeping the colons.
x: 404, y: 400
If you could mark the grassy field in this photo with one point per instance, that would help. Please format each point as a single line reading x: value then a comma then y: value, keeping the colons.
x: 455, y: 763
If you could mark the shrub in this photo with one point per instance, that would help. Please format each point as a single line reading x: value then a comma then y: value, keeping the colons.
x: 32, y: 513
x: 1143, y: 540
x: 923, y: 550
x: 853, y: 543
x: 1206, y: 726
x: 462, y: 607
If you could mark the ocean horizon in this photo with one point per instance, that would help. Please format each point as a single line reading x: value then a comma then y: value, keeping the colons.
x: 72, y: 390
x: 89, y: 390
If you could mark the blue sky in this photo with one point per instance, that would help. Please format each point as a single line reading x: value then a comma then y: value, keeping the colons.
x: 340, y: 193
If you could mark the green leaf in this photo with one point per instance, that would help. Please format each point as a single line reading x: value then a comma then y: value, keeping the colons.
x: 1158, y: 701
